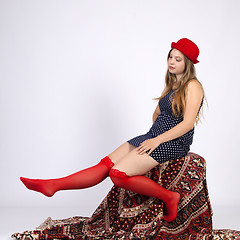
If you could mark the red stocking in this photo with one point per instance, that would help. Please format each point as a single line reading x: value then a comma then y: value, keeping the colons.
x: 82, y: 179
x: 145, y: 186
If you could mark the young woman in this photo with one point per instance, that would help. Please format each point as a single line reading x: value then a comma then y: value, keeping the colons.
x: 169, y: 138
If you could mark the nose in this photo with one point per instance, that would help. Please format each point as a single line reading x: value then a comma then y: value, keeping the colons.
x: 171, y: 61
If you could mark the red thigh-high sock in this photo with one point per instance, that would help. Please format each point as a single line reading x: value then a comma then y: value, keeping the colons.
x: 82, y: 179
x: 145, y: 186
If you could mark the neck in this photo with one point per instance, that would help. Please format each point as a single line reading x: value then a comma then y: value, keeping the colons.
x: 178, y: 77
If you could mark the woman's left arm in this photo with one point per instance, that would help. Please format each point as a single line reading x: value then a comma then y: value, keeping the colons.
x: 194, y: 95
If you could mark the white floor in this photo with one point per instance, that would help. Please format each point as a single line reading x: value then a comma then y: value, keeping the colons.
x: 20, y: 219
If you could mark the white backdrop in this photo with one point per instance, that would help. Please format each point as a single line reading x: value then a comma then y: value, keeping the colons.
x: 78, y: 77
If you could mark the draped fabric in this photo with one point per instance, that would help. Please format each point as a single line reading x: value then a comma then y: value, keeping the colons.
x: 127, y: 215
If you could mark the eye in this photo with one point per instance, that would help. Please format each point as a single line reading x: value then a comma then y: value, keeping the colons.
x: 178, y: 60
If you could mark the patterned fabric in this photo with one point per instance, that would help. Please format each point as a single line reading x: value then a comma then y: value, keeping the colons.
x: 175, y: 148
x: 126, y: 215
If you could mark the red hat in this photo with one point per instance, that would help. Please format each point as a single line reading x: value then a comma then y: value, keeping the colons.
x: 188, y: 48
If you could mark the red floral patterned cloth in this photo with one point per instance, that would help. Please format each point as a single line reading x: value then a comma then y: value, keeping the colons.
x: 127, y: 215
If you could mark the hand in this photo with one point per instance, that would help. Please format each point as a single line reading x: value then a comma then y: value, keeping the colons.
x: 148, y: 145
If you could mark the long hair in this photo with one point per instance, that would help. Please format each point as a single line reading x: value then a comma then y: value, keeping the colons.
x: 179, y: 99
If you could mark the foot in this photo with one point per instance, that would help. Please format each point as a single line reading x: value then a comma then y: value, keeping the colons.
x: 172, y: 206
x: 43, y: 186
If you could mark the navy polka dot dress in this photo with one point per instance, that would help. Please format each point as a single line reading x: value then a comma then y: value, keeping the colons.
x: 172, y: 149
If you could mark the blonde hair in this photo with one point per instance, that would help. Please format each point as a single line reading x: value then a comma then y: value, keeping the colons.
x: 179, y: 101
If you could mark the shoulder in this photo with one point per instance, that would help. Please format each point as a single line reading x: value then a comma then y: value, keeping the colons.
x: 194, y: 85
x: 194, y: 90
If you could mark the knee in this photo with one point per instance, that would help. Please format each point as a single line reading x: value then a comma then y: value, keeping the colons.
x: 108, y: 162
x: 118, y: 177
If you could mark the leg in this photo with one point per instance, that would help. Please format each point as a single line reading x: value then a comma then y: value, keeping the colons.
x: 82, y: 179
x: 127, y: 174
x: 121, y: 151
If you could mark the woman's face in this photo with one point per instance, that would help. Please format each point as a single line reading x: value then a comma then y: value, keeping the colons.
x: 176, y: 62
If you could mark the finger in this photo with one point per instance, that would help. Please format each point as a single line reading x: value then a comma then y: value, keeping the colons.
x: 139, y: 149
x: 145, y: 149
x: 150, y: 152
x: 142, y: 151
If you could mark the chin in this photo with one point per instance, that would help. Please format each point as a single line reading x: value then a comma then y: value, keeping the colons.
x: 172, y: 71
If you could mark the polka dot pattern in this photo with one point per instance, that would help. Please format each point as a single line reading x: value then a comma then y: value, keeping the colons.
x: 173, y: 149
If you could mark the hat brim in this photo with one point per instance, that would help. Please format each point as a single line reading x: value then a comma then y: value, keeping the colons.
x: 184, y: 51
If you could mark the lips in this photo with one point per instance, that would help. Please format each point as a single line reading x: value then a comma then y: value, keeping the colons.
x: 171, y: 67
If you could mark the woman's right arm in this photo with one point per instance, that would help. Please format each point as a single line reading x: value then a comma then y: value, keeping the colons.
x: 156, y: 113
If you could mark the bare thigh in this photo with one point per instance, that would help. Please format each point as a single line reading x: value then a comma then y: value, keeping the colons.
x: 121, y: 151
x: 134, y: 164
